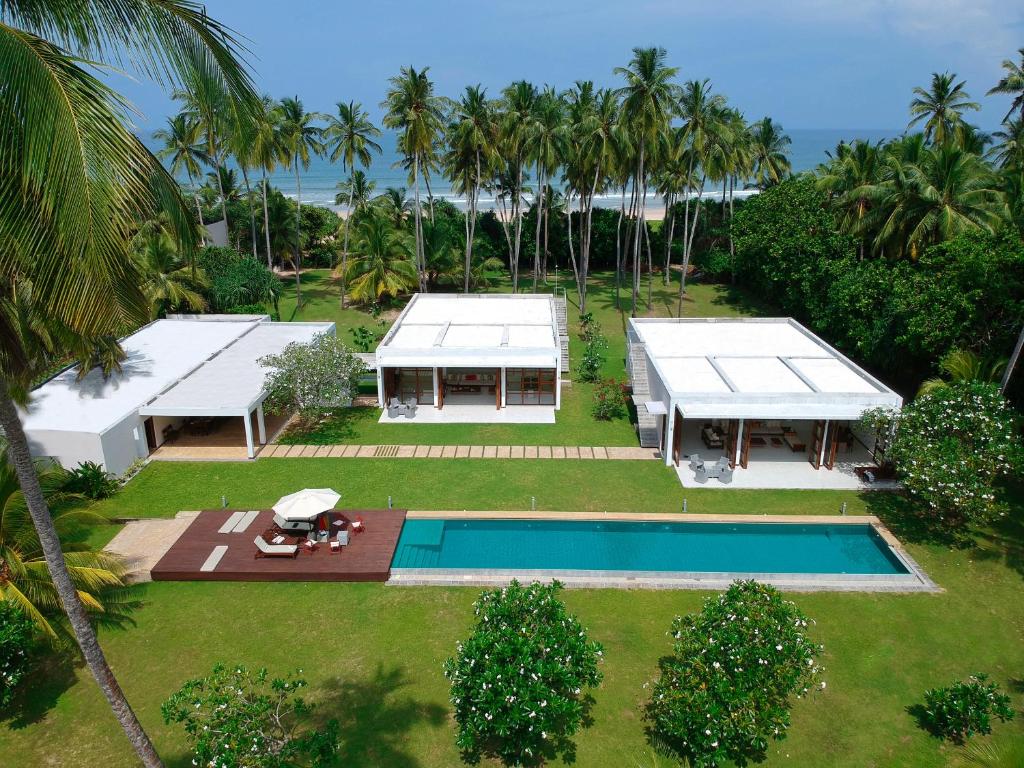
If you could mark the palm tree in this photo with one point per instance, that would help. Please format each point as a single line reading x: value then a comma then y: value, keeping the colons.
x: 206, y: 102
x: 941, y: 107
x: 517, y: 108
x: 395, y: 205
x: 67, y: 150
x: 415, y: 111
x: 300, y: 141
x: 472, y: 136
x: 1012, y: 84
x: 1008, y: 152
x: 546, y: 134
x: 961, y: 366
x: 243, y: 145
x: 941, y: 192
x: 769, y: 152
x: 1007, y: 753
x: 381, y: 263
x: 649, y: 101
x: 266, y: 152
x: 182, y: 149
x: 350, y: 137
x: 847, y: 178
x: 24, y: 578
x: 169, y: 280
x: 355, y: 193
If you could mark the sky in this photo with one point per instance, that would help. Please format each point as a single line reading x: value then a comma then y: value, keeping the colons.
x: 806, y: 63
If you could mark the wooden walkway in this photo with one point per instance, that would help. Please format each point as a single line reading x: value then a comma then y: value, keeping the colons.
x: 615, y: 453
x: 366, y: 558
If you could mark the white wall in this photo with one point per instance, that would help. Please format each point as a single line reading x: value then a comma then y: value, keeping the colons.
x: 68, y: 448
x: 123, y: 444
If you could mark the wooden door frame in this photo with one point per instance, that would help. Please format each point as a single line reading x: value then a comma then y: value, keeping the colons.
x: 731, y: 438
x: 149, y: 429
x: 439, y: 373
x: 831, y: 445
x: 497, y: 388
x: 817, y: 435
x: 748, y: 431
x: 677, y: 436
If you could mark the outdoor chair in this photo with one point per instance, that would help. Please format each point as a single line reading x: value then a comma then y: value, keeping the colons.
x: 696, y: 461
x: 340, y: 541
x: 701, y: 473
x: 726, y: 475
x: 263, y: 549
x: 393, y: 408
x: 410, y: 408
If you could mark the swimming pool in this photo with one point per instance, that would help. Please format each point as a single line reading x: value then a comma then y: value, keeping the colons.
x: 594, y: 545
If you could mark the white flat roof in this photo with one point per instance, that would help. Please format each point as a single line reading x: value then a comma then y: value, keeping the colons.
x: 231, y: 383
x: 156, y: 356
x: 445, y: 329
x: 756, y: 368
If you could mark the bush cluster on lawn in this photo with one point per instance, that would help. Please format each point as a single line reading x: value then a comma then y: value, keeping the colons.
x: 609, y: 400
x: 965, y: 708
x: 724, y: 693
x: 950, y: 446
x: 517, y: 683
x: 237, y: 281
x: 91, y: 480
x: 235, y: 718
x: 17, y: 640
x: 312, y: 379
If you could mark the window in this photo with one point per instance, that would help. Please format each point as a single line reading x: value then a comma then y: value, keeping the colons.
x: 530, y: 386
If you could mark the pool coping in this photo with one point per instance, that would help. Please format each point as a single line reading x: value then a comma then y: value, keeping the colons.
x: 915, y: 580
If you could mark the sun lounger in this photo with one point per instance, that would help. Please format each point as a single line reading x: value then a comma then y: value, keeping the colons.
x: 246, y: 520
x: 274, y: 550
x: 214, y: 559
x: 231, y: 522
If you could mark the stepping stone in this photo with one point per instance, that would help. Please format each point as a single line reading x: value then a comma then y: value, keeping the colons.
x: 490, y: 451
x: 517, y: 452
x: 448, y: 452
x: 462, y: 452
x: 543, y: 451
x: 476, y: 451
x: 435, y: 451
x: 322, y: 451
x: 406, y: 451
x: 337, y: 451
x: 600, y: 453
x: 308, y: 451
x: 504, y: 452
x: 572, y: 452
x: 557, y: 452
x: 530, y: 452
x: 213, y: 560
x: 351, y: 451
x: 585, y: 452
x: 422, y: 451
x: 367, y: 452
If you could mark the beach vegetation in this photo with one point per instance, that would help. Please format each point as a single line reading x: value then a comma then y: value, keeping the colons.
x: 519, y: 683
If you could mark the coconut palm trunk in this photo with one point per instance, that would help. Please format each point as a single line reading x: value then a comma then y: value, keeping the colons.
x: 732, y: 244
x: 539, y: 197
x: 344, y: 248
x: 669, y: 224
x: 688, y: 246
x: 618, y: 246
x: 572, y: 253
x: 585, y: 246
x: 220, y: 182
x: 266, y: 222
x: 517, y: 214
x: 297, y: 259
x: 252, y: 212
x: 637, y: 242
x: 471, y: 221
x: 85, y: 634
x: 417, y: 221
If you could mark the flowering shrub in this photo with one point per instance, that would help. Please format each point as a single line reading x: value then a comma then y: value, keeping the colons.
x: 235, y: 718
x: 950, y: 446
x: 518, y: 681
x: 589, y: 368
x: 590, y: 328
x: 312, y: 379
x: 609, y: 400
x: 725, y: 691
x: 965, y: 708
x: 17, y: 638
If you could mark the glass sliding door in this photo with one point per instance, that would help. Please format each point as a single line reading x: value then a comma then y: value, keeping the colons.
x: 530, y: 386
x: 416, y: 383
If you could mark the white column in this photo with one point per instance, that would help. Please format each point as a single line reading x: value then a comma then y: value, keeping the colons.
x: 558, y: 385
x: 824, y: 440
x: 437, y: 388
x: 504, y: 393
x: 739, y: 444
x: 670, y: 425
x: 250, y: 448
x: 380, y: 387
x: 261, y: 424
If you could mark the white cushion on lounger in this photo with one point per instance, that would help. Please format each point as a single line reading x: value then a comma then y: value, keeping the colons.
x: 274, y: 549
x: 246, y: 521
x: 231, y: 522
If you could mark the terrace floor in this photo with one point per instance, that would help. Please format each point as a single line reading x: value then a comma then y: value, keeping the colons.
x: 476, y: 413
x: 224, y: 442
x: 366, y: 558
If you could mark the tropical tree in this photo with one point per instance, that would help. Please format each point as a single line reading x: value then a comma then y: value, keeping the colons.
x: 205, y: 101
x: 67, y: 150
x: 1008, y: 151
x: 170, y: 281
x: 515, y: 114
x: 300, y: 142
x: 418, y: 114
x: 395, y: 205
x: 471, y: 136
x: 941, y: 107
x: 350, y: 138
x: 769, y: 149
x: 25, y: 580
x: 355, y: 193
x: 182, y: 150
x: 266, y: 152
x: 545, y: 134
x: 960, y: 366
x: 848, y: 176
x: 381, y: 261
x: 1012, y: 84
x: 649, y: 100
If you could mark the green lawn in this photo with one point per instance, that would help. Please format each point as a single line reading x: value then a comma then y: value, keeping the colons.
x: 373, y: 654
x: 574, y: 423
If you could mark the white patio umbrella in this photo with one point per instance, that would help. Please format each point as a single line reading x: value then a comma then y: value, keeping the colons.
x: 306, y: 504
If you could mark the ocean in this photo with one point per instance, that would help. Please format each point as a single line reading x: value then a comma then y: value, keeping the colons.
x: 320, y: 180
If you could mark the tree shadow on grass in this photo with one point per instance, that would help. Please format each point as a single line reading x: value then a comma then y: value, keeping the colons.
x: 1003, y: 541
x: 375, y: 717
x: 900, y: 515
x: 50, y: 679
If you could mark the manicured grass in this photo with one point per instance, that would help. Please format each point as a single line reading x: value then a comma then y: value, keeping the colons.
x: 574, y: 423
x: 164, y: 488
x: 373, y: 654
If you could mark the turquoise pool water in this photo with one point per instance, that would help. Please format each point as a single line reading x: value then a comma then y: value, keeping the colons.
x: 644, y: 546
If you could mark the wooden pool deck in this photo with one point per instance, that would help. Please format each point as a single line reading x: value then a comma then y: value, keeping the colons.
x: 366, y: 558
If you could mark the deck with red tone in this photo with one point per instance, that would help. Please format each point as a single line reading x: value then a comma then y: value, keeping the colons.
x: 367, y: 557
